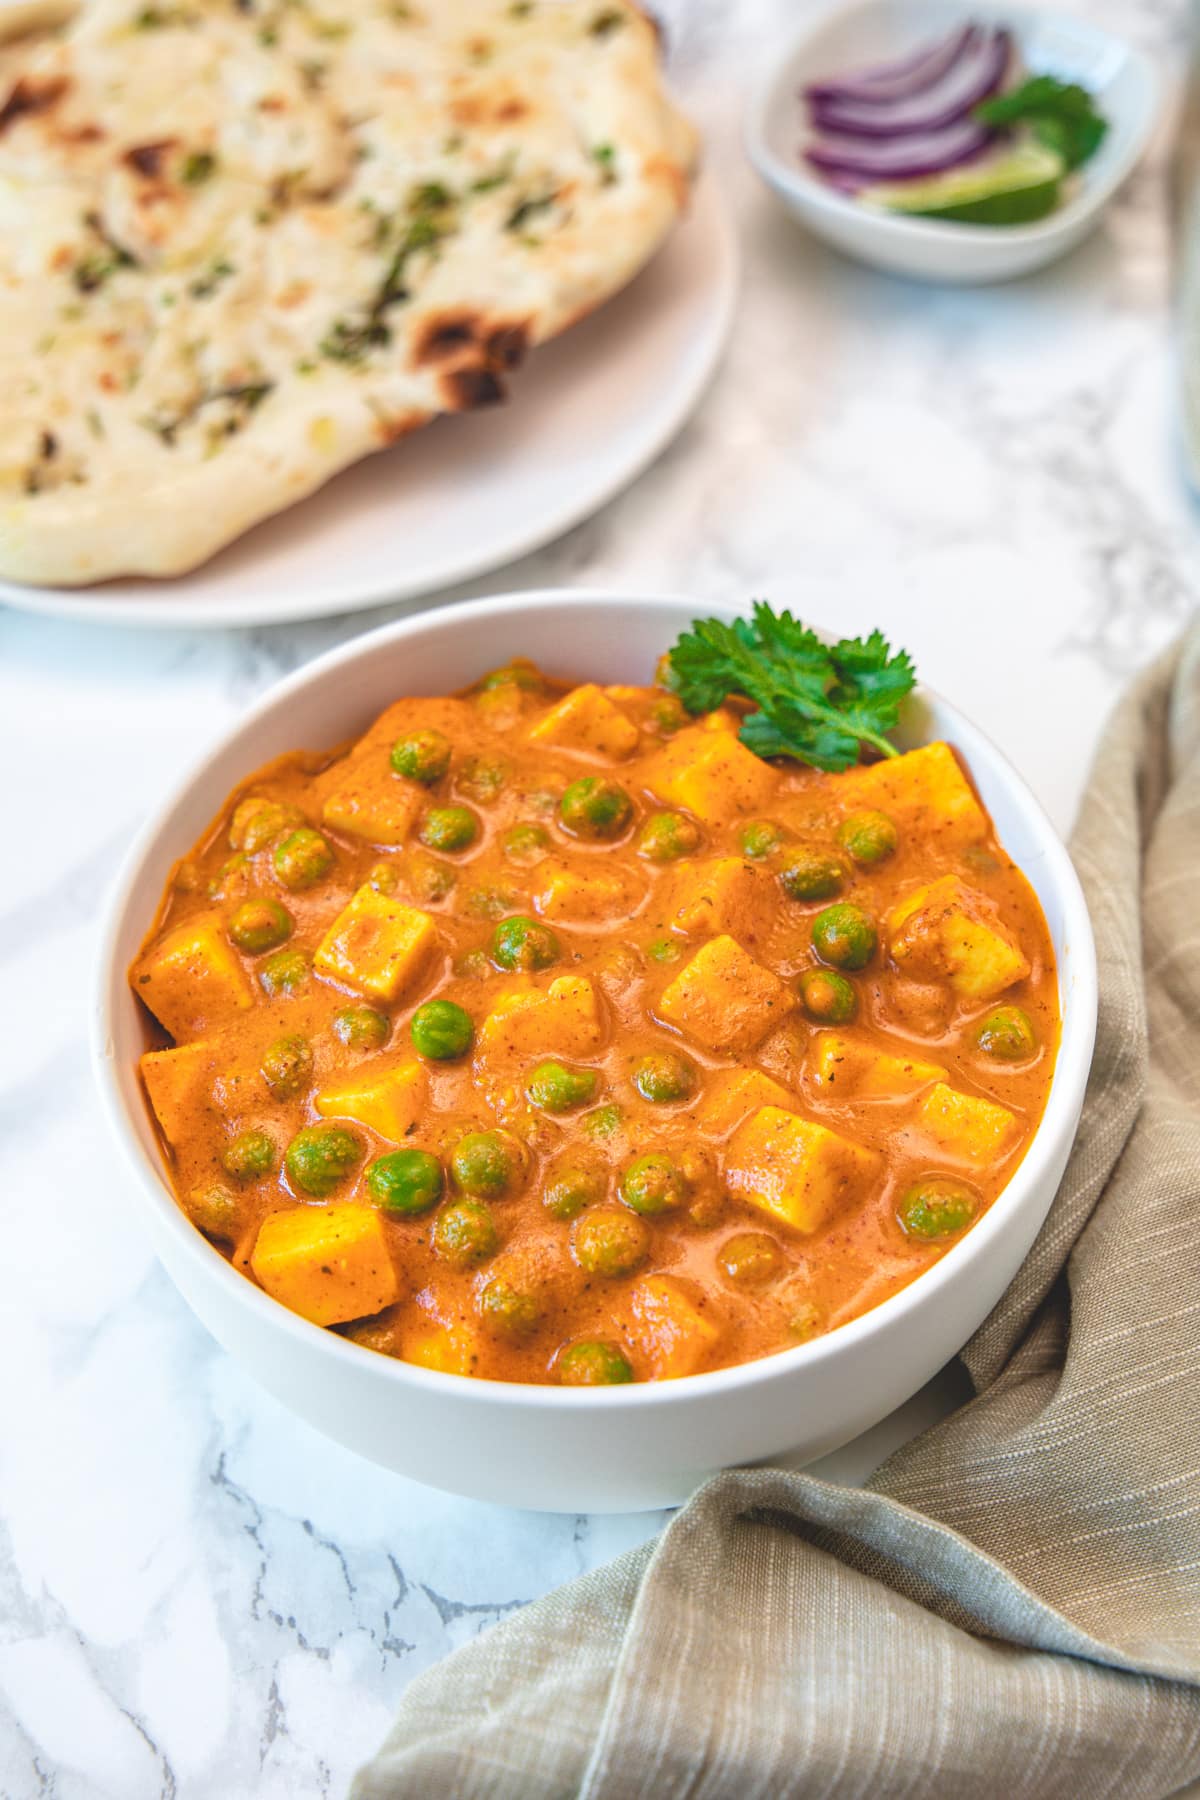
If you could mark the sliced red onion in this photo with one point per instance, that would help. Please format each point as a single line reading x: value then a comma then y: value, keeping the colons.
x: 978, y: 71
x: 897, y: 80
x: 845, y: 158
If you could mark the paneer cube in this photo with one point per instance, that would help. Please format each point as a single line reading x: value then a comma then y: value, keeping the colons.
x: 178, y: 1083
x: 797, y: 1172
x: 387, y: 1097
x: 733, y: 1095
x: 327, y: 1263
x: 925, y: 791
x: 966, y: 1128
x: 712, y: 775
x: 586, y: 721
x: 192, y: 979
x: 722, y: 894
x: 946, y: 931
x: 674, y: 1329
x: 561, y: 1020
x: 724, y: 999
x: 584, y: 894
x: 372, y: 802
x: 378, y: 945
x: 847, y: 1068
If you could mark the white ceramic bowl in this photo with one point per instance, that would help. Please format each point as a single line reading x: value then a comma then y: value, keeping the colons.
x: 550, y: 1448
x: 1124, y: 82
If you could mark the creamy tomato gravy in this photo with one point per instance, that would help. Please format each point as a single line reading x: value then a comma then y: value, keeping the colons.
x: 757, y: 1122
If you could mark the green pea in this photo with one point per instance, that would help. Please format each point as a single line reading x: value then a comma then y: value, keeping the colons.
x: 602, y: 1122
x: 285, y: 972
x: 215, y: 1211
x: 653, y: 1184
x: 812, y: 875
x: 525, y: 843
x: 844, y: 936
x: 571, y: 1187
x: 664, y: 1076
x: 465, y: 1233
x: 511, y: 1312
x: 523, y: 943
x: 427, y: 878
x: 248, y: 1156
x: 666, y: 836
x: 320, y: 1157
x: 593, y: 1363
x: 517, y: 674
x: 441, y: 1031
x: 362, y: 1028
x: 936, y: 1208
x: 595, y: 808
x: 260, y: 924
x: 1007, y: 1034
x: 405, y: 1183
x: 669, y: 714
x: 257, y: 822
x: 760, y: 838
x: 448, y: 828
x: 750, y: 1258
x: 828, y: 997
x: 557, y: 1089
x: 664, y: 950
x: 869, y: 837
x: 423, y: 756
x: 230, y: 878
x: 481, y: 778
x: 385, y: 879
x: 487, y: 1164
x: 544, y: 800
x: 609, y: 1240
x: 472, y: 965
x: 302, y: 858
x: 488, y: 902
x: 287, y: 1066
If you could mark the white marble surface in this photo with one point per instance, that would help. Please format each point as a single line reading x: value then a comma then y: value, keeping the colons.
x: 198, y: 1596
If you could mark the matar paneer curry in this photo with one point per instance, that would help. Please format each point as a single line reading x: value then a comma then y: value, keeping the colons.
x: 547, y: 1034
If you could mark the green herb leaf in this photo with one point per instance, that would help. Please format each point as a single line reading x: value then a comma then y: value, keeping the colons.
x: 817, y: 702
x: 197, y: 167
x: 1062, y: 115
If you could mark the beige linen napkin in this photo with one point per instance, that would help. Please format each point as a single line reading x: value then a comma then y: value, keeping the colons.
x: 1012, y: 1608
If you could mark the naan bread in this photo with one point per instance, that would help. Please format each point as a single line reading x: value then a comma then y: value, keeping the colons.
x: 244, y: 243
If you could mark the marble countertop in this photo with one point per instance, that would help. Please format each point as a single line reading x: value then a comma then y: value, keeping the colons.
x: 199, y: 1595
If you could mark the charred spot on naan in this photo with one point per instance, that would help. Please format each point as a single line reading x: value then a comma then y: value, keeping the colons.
x: 148, y: 159
x: 464, y: 335
x: 28, y: 97
x: 465, y: 390
x: 508, y: 345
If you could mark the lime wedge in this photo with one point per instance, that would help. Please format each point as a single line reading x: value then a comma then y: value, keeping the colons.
x: 1013, y: 189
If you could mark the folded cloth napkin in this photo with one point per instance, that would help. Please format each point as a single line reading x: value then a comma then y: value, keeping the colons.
x: 1011, y: 1608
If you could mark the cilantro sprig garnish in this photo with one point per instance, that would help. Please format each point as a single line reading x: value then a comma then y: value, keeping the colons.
x: 818, y: 703
x: 1061, y: 114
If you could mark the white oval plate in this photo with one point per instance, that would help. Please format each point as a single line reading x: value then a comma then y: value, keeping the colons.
x: 589, y: 412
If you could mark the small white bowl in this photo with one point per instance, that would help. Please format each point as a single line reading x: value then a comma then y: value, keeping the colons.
x: 550, y: 1448
x: 1123, y: 80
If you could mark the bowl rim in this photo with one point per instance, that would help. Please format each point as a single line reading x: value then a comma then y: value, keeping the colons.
x: 1078, y: 1006
x: 794, y: 180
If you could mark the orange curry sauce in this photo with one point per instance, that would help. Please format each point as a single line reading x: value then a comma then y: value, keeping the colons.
x: 786, y: 1204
